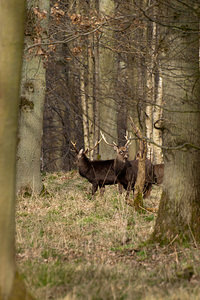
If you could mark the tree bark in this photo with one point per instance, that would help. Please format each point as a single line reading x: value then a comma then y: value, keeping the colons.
x: 11, y: 46
x: 179, y: 211
x: 107, y: 107
x: 157, y: 115
x: 150, y: 79
x: 140, y: 180
x: 33, y: 88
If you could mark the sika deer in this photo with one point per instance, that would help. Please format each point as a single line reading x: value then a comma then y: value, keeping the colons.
x: 126, y: 171
x: 98, y: 172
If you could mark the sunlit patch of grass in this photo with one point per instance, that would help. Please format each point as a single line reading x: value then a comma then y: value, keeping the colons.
x: 72, y: 244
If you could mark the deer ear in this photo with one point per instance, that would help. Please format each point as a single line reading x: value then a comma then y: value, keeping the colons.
x: 115, y: 148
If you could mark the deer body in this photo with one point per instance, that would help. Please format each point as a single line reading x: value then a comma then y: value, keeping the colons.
x: 126, y: 171
x: 98, y: 172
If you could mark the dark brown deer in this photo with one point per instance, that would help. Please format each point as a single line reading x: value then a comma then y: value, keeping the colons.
x: 98, y: 172
x: 158, y: 171
x: 126, y: 171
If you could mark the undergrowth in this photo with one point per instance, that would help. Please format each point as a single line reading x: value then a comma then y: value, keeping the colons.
x: 73, y: 246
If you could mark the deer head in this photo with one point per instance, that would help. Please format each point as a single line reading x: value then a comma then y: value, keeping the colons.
x: 122, y: 152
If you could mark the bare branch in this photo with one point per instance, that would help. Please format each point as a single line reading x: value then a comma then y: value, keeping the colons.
x: 64, y: 41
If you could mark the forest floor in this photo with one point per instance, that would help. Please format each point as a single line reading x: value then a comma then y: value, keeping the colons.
x: 72, y: 246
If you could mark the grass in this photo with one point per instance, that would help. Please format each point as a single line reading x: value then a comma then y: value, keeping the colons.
x: 72, y: 246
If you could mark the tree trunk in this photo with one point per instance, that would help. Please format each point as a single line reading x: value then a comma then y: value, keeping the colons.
x: 150, y: 93
x: 140, y: 180
x: 179, y: 211
x: 133, y: 75
x: 107, y: 107
x: 11, y: 45
x: 84, y: 110
x: 33, y: 88
x: 157, y: 115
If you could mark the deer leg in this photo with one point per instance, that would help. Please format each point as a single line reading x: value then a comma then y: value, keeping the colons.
x: 102, y: 190
x: 128, y: 191
x: 94, y: 188
x: 120, y: 188
x: 147, y: 190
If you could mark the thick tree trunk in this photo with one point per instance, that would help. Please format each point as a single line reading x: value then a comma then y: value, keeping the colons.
x: 31, y: 107
x: 11, y: 45
x: 107, y: 108
x: 179, y: 211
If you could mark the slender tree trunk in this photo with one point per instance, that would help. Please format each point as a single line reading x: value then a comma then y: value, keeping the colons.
x: 84, y: 110
x: 134, y: 84
x: 11, y: 46
x: 33, y: 89
x: 90, y: 92
x: 140, y: 180
x: 179, y: 211
x: 96, y: 94
x: 157, y: 115
x: 150, y: 94
x: 87, y: 80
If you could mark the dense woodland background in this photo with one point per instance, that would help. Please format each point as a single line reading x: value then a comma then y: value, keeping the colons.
x: 88, y: 66
x: 108, y: 72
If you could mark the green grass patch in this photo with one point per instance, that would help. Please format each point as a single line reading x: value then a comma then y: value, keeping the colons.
x: 69, y: 243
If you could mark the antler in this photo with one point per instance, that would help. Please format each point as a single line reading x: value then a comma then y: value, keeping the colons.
x: 128, y: 141
x: 90, y: 149
x: 112, y: 145
x: 74, y: 145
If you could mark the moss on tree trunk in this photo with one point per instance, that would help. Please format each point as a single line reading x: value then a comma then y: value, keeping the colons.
x: 179, y: 211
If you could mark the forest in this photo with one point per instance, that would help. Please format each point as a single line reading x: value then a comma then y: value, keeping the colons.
x: 100, y: 149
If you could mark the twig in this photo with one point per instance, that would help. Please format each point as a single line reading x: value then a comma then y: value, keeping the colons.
x: 64, y: 41
x: 173, y: 240
x: 194, y: 240
x: 148, y: 210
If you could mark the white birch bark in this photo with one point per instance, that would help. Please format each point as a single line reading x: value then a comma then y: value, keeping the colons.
x: 157, y: 114
x: 150, y: 88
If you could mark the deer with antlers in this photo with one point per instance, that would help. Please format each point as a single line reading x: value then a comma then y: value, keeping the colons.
x: 126, y: 171
x: 98, y: 172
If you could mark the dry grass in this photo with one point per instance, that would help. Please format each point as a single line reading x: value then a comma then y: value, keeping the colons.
x: 70, y: 245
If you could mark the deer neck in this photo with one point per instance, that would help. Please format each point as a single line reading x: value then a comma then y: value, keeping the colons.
x: 84, y: 166
x: 119, y: 166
